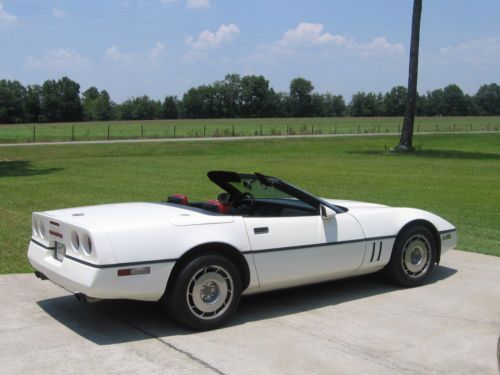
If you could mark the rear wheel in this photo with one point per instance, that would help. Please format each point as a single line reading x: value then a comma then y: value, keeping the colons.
x: 413, y: 257
x: 206, y: 292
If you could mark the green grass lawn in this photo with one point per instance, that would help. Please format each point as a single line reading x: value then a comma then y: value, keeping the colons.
x: 239, y: 127
x: 455, y: 176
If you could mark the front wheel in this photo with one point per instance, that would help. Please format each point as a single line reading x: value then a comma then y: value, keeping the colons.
x: 413, y: 257
x: 206, y: 292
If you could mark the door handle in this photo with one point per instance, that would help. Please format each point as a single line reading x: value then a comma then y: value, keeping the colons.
x: 261, y: 230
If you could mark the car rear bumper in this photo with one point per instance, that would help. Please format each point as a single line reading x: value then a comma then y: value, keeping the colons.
x: 100, y: 282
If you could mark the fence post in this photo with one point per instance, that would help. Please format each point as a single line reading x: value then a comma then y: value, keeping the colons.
x: 418, y: 128
x: 488, y: 128
x: 73, y: 132
x: 233, y: 130
x: 34, y: 134
x: 358, y: 129
x: 335, y: 129
x: 312, y: 129
x: 108, y: 132
x: 175, y: 128
x: 471, y: 126
x: 261, y: 129
x: 142, y: 131
x: 204, y: 130
x: 454, y: 128
x: 379, y: 128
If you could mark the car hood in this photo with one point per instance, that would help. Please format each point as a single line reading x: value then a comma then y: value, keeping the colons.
x: 123, y: 215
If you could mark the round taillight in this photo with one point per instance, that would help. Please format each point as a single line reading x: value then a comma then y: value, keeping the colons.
x: 75, y: 241
x: 41, y: 229
x: 87, y: 244
x: 35, y: 228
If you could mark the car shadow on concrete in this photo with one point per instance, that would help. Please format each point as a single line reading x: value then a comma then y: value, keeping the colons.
x: 118, y: 321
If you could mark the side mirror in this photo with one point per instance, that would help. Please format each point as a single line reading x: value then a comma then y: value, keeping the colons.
x: 327, y: 213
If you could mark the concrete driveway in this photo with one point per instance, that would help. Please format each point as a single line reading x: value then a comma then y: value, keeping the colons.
x: 450, y: 325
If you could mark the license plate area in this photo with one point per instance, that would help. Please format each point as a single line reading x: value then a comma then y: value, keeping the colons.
x: 60, y: 251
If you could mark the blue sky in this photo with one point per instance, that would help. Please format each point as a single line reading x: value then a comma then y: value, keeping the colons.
x: 164, y: 47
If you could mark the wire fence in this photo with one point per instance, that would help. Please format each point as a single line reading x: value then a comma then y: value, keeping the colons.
x: 90, y: 132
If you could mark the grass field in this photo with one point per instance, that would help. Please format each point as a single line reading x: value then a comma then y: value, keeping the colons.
x: 455, y: 176
x: 238, y: 127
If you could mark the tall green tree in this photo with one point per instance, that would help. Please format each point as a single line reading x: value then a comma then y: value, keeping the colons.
x: 454, y: 101
x: 170, y: 108
x: 97, y: 106
x: 300, y: 97
x: 367, y: 105
x: 406, y: 140
x: 60, y: 101
x: 255, y: 96
x: 487, y: 99
x: 395, y: 101
x: 32, y: 106
x: 12, y: 97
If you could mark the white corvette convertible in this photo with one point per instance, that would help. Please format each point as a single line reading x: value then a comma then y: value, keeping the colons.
x: 260, y: 234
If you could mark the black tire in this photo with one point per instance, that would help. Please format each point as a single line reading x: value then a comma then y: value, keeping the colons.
x: 215, y: 278
x: 407, y: 270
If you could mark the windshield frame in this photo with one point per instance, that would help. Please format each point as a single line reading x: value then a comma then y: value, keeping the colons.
x: 223, y: 179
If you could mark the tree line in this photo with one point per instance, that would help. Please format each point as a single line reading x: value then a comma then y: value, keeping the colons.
x: 234, y: 97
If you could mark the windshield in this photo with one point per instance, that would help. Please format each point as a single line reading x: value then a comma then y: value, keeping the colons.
x: 259, y: 190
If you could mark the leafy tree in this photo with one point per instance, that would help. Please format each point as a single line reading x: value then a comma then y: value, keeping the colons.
x: 227, y: 95
x: 60, y: 101
x: 32, y: 106
x: 96, y: 105
x: 367, y: 104
x: 140, y: 108
x: 435, y: 103
x: 487, y: 99
x: 256, y: 97
x: 300, y: 97
x: 318, y: 105
x: 12, y: 97
x: 454, y: 101
x: 170, y: 108
x: 334, y: 105
x: 395, y: 101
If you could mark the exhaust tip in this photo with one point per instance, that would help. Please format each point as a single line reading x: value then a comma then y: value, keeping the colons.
x: 84, y: 298
x: 40, y: 275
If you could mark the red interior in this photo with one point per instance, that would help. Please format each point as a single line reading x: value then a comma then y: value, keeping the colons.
x: 178, y: 198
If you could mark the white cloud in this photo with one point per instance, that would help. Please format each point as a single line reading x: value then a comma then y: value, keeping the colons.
x: 197, y: 4
x: 6, y: 18
x: 158, y: 50
x: 481, y: 53
x: 380, y: 46
x: 306, y: 34
x: 114, y: 54
x: 59, y: 59
x: 58, y: 13
x: 312, y: 35
x: 212, y: 40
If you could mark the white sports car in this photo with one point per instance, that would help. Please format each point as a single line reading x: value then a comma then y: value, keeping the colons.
x: 260, y: 234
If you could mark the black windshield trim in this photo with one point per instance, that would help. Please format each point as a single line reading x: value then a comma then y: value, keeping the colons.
x: 223, y: 179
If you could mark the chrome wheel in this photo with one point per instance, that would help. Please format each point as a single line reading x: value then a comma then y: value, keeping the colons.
x: 210, y: 292
x: 416, y: 256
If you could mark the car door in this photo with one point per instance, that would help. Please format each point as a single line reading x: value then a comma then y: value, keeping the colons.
x: 290, y: 251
